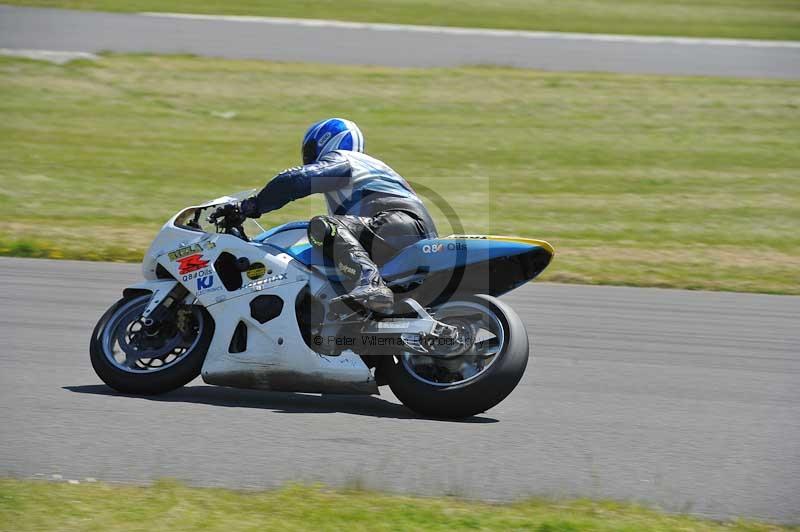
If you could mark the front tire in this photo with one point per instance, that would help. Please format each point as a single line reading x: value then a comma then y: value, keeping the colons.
x: 478, y: 393
x: 123, y: 369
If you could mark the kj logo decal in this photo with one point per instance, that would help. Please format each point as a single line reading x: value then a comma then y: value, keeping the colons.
x: 191, y: 264
x: 204, y: 283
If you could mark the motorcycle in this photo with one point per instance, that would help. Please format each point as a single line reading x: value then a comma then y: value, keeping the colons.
x: 258, y: 313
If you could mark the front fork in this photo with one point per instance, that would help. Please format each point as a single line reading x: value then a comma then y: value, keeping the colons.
x: 163, y: 304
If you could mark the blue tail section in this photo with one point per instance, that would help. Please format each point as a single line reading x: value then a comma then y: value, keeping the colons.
x: 441, y: 254
x: 483, y: 264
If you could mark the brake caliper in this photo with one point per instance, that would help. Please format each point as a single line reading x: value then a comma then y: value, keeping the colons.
x: 183, y: 320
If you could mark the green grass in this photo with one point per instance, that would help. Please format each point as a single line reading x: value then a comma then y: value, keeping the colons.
x: 757, y: 19
x: 636, y: 180
x: 37, y: 505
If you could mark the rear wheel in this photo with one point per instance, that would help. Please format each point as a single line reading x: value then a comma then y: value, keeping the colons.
x: 471, y: 378
x: 133, y: 358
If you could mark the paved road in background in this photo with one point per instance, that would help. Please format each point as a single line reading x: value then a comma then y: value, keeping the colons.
x: 689, y: 400
x: 391, y: 45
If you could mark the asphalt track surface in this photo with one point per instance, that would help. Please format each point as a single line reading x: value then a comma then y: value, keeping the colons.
x: 688, y: 400
x: 390, y: 45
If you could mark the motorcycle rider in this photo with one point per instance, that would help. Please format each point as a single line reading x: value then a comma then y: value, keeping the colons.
x: 372, y: 211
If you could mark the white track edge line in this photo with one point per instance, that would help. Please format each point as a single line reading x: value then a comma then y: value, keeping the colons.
x: 447, y: 30
x: 47, y: 55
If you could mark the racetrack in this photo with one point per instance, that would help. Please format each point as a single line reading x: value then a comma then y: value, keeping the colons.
x: 391, y: 45
x: 688, y: 400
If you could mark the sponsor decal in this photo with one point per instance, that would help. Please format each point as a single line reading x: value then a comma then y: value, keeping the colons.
x: 260, y: 284
x: 184, y: 252
x: 436, y: 248
x: 189, y: 250
x: 344, y: 268
x: 205, y: 282
x: 215, y: 289
x: 401, y: 324
x: 192, y: 263
x: 194, y: 275
x: 256, y: 271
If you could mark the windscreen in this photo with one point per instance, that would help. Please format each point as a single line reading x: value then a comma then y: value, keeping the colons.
x: 199, y: 214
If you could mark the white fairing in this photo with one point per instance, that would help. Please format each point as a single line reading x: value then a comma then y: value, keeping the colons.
x: 276, y: 357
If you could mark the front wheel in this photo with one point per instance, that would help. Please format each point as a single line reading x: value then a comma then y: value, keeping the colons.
x: 470, y: 380
x: 132, y: 358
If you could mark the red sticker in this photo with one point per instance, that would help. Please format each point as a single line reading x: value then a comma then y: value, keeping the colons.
x: 191, y: 263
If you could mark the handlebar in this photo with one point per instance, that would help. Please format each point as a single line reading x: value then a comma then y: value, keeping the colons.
x: 228, y: 220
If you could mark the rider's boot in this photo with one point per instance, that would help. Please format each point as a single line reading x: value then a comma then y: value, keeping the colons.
x: 353, y: 263
x: 369, y: 292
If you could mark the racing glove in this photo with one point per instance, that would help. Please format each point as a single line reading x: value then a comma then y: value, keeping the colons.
x: 249, y: 207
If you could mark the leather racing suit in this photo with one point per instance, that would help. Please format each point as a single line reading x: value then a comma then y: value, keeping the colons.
x: 372, y: 214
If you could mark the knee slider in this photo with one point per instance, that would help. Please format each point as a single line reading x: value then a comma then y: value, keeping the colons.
x: 321, y: 232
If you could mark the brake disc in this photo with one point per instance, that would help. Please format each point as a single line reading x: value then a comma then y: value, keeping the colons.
x: 133, y: 343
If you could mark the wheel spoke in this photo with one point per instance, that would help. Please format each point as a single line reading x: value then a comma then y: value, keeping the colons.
x: 488, y: 347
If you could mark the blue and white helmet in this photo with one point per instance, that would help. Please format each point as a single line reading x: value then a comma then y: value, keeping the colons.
x: 331, y: 134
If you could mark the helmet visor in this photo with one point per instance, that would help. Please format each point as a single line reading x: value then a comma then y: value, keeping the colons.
x: 309, y: 152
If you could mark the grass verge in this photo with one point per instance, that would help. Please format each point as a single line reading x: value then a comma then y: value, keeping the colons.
x: 756, y: 19
x: 637, y: 180
x: 37, y: 505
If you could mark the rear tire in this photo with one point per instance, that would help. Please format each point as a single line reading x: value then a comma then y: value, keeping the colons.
x: 173, y: 376
x: 475, y: 395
